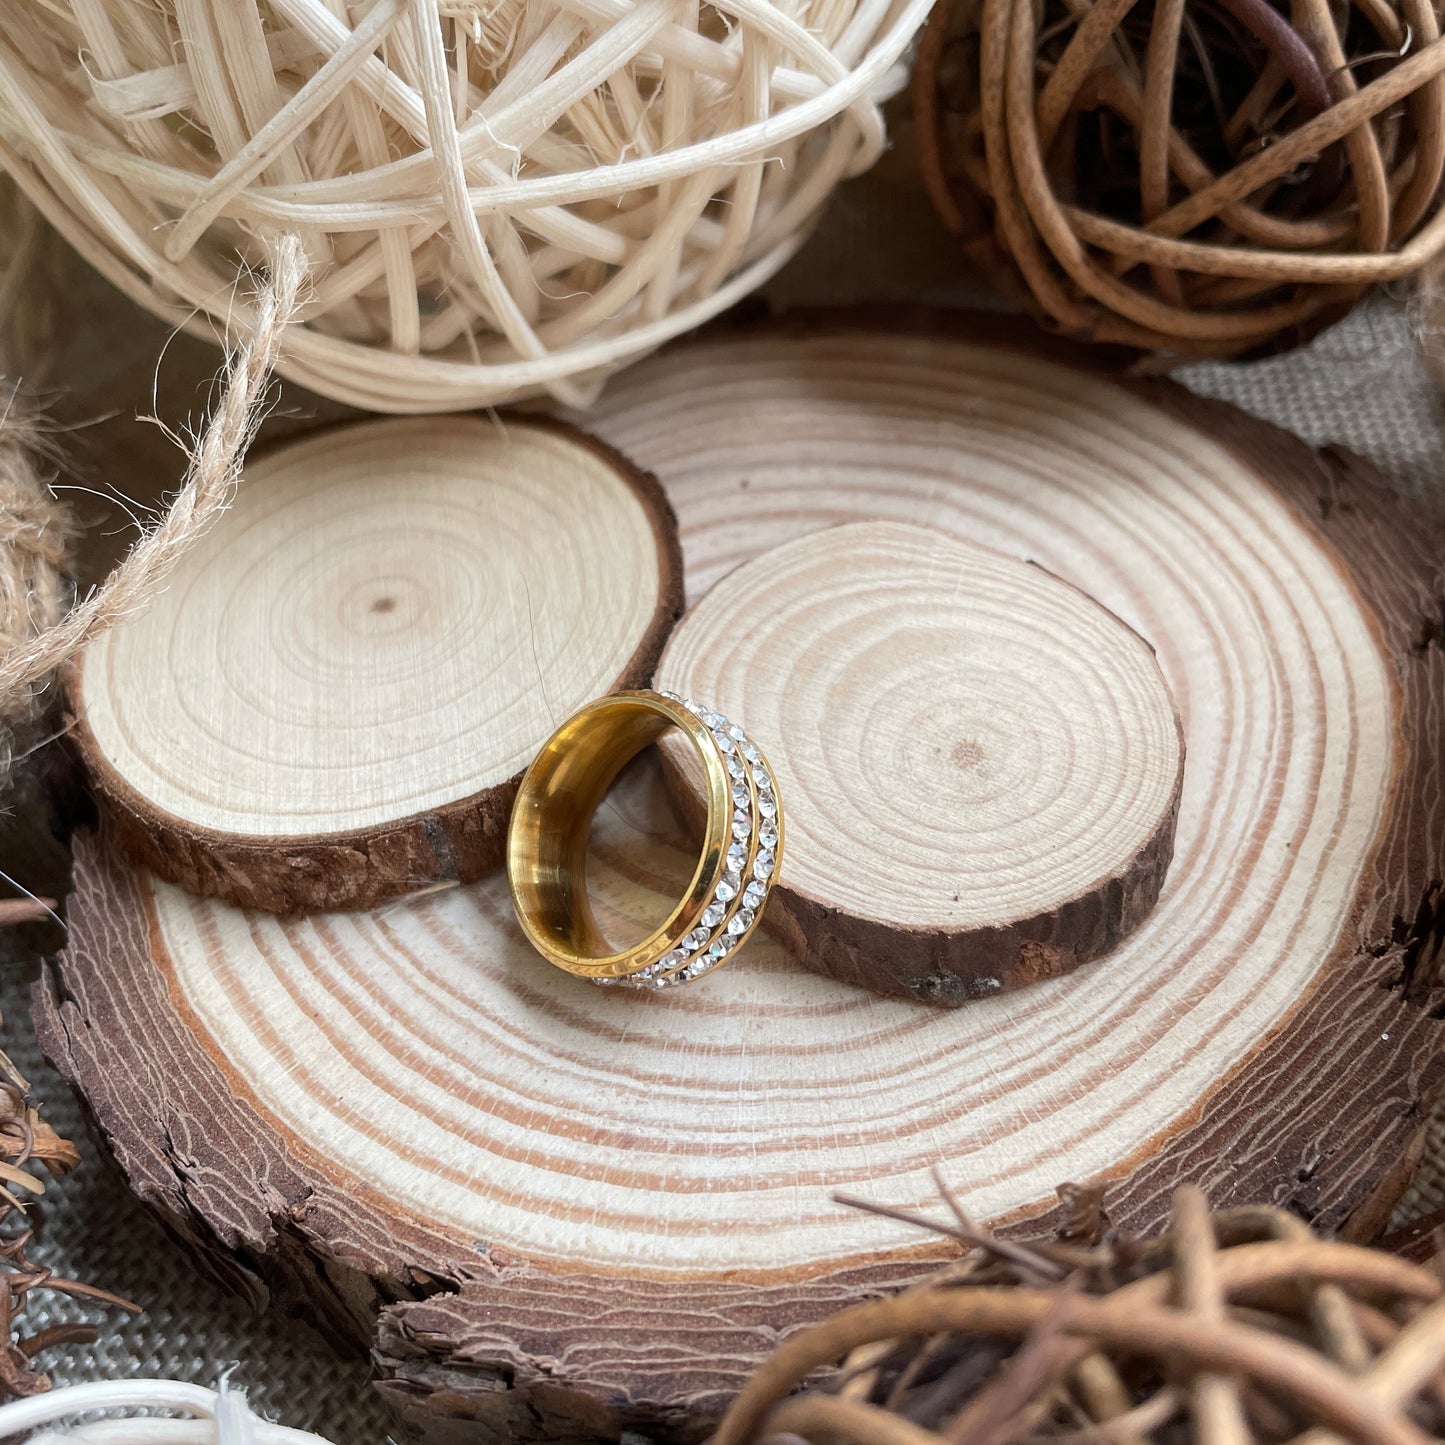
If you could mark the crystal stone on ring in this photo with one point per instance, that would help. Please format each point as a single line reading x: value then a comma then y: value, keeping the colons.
x: 751, y: 859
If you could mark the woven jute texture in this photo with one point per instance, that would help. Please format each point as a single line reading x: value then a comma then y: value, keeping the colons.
x: 93, y: 1229
x: 1359, y: 384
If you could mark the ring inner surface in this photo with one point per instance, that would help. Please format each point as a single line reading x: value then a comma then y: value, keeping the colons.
x: 566, y: 786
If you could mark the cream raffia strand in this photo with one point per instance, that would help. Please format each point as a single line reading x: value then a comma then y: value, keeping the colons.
x: 498, y: 199
x: 754, y: 849
x: 211, y: 476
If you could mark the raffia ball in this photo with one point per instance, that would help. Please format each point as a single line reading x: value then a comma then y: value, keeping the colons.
x: 498, y: 197
x: 1195, y: 177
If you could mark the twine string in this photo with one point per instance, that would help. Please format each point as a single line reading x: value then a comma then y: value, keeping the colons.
x: 35, y: 540
x: 30, y: 656
x: 36, y: 532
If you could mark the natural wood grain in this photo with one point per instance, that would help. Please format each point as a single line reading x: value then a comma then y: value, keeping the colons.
x: 334, y: 701
x: 980, y: 765
x: 570, y: 1212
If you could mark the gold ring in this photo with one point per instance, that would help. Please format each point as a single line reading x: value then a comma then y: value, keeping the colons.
x: 552, y: 819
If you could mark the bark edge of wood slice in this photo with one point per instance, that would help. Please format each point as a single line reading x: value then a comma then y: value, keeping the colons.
x: 334, y: 701
x: 661, y: 1217
x: 980, y: 766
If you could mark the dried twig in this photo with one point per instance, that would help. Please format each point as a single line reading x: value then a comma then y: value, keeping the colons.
x: 963, y: 1231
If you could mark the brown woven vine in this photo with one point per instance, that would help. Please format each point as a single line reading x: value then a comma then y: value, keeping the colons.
x: 1227, y: 1328
x: 1204, y: 178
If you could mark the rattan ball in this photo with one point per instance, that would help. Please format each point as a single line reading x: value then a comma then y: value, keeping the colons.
x: 1219, y: 177
x: 498, y: 198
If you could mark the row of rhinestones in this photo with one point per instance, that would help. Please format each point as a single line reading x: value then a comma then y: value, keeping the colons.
x: 752, y: 856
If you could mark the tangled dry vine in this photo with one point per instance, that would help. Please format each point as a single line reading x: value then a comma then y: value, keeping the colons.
x: 1240, y: 1325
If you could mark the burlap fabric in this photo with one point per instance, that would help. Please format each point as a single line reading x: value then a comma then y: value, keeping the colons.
x: 93, y: 1229
x: 1360, y: 384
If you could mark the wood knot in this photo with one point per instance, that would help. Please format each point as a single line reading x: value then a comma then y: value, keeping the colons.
x: 967, y: 754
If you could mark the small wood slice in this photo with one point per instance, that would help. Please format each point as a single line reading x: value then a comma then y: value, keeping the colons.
x: 334, y: 700
x: 567, y: 1212
x: 980, y: 767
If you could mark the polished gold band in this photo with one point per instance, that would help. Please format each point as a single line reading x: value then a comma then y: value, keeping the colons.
x: 552, y: 819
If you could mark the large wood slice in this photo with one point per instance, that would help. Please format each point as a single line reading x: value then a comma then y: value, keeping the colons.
x: 333, y: 701
x: 980, y: 766
x: 567, y: 1211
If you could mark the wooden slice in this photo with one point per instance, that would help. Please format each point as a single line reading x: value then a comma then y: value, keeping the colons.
x: 333, y: 702
x: 980, y: 766
x: 565, y: 1211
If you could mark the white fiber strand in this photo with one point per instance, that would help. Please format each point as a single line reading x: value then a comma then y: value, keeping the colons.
x: 218, y: 1417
